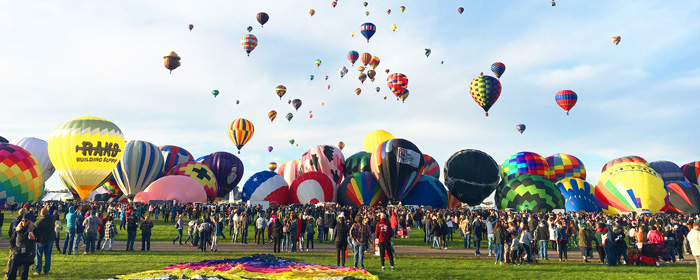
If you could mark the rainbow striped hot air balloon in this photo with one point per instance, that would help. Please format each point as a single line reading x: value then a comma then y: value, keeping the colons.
x: 84, y: 151
x: 240, y: 131
x: 566, y: 99
x: 359, y: 189
x: 626, y: 186
x: 522, y: 163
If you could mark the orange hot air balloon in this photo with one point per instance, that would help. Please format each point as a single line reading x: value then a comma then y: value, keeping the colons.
x: 374, y: 62
x: 365, y: 58
x: 312, y: 12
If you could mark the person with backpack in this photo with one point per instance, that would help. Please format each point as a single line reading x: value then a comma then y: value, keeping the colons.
x: 204, y: 234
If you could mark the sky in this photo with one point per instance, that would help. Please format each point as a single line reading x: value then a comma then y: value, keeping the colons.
x: 66, y: 59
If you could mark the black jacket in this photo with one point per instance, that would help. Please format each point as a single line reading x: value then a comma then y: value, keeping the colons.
x: 542, y: 232
x: 44, y: 231
x: 23, y: 249
x: 340, y: 233
x: 499, y: 235
x: 276, y: 228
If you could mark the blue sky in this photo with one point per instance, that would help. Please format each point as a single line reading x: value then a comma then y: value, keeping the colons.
x: 66, y: 59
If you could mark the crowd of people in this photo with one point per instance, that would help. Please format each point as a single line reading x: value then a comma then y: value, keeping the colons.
x: 510, y: 237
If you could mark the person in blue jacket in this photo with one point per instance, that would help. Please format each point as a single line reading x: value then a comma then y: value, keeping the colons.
x: 71, y: 218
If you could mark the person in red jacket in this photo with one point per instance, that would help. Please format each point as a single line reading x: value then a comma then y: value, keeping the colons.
x: 383, y: 232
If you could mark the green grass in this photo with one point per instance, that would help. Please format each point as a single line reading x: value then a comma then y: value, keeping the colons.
x: 102, y: 265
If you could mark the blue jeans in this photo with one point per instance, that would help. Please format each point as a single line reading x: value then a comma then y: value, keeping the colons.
x: 91, y: 238
x: 498, y: 248
x: 528, y: 251
x: 543, y: 249
x: 43, y: 249
x: 130, y: 238
x: 451, y: 230
x: 68, y: 243
x: 145, y: 241
x: 76, y: 243
x: 285, y: 242
x: 490, y: 243
x: 436, y: 240
x: 179, y: 236
x: 359, y: 258
x: 111, y: 242
x: 467, y: 240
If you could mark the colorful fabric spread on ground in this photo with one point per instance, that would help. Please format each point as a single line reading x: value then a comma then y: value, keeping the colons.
x: 253, y: 267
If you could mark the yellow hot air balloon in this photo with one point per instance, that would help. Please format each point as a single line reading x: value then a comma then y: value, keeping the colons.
x: 240, y: 131
x: 85, y: 151
x: 630, y: 186
x: 375, y: 138
x: 393, y: 27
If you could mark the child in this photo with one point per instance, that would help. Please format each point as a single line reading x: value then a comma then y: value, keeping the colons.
x: 515, y: 250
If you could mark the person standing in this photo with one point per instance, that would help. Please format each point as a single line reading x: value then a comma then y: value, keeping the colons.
x: 359, y: 234
x: 91, y: 223
x: 584, y: 241
x: 383, y: 232
x: 204, y: 234
x: 490, y: 223
x: 499, y: 239
x: 260, y: 225
x: 244, y: 227
x: 110, y: 233
x: 542, y: 236
x: 22, y: 249
x: 57, y: 227
x: 310, y: 232
x: 465, y: 227
x: 562, y: 241
x: 340, y: 236
x: 132, y: 224
x: 44, y: 234
x: 694, y: 242
x: 276, y: 234
x: 179, y: 226
x: 293, y: 233
x: 478, y: 226
x: 146, y: 227
x: 71, y: 219
x: 217, y: 225
x: 79, y: 229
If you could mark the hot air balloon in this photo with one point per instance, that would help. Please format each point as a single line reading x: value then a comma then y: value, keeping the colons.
x: 296, y: 103
x: 563, y: 166
x: 460, y: 10
x: 566, y: 99
x: 201, y: 173
x: 427, y: 52
x: 228, y: 170
x: 367, y: 13
x: 402, y: 8
x: 388, y: 11
x: 393, y: 27
x: 172, y: 61
x: 249, y: 42
x: 531, y: 192
x: 325, y: 77
x: 312, y: 187
x: 358, y: 162
x: 365, y: 58
x: 397, y: 83
x: 365, y: 4
x: 630, y: 186
x: 3, y: 140
x: 240, y: 131
x: 250, y: 28
x: 361, y: 68
x: 485, y: 90
x: 317, y: 62
x: 215, y: 93
x: 428, y: 191
x: 691, y: 171
x: 403, y: 95
x: 498, y: 68
x: 334, y: 3
x: 324, y: 158
x: 358, y: 91
x: 375, y: 138
x: 367, y: 29
x: 371, y: 74
x: 289, y: 117
x: 522, y: 163
x: 374, y: 62
x: 342, y: 72
x: 352, y: 34
x: 616, y: 39
x: 269, y: 149
x: 272, y: 166
x: 182, y: 189
x: 21, y: 176
x: 579, y: 195
x: 362, y: 77
x: 40, y: 150
x: 291, y: 141
x: 377, y: 89
x: 311, y: 77
x: 386, y: 70
x: 140, y: 165
x: 281, y: 90
x: 290, y: 171
x: 397, y: 164
x: 431, y: 167
x: 353, y: 56
x: 272, y: 115
x: 201, y: 159
x: 359, y: 189
x: 627, y: 159
x: 112, y: 188
x: 84, y: 151
x: 173, y: 156
x: 553, y: 3
x: 237, y: 101
x: 312, y: 12
x: 385, y: 97
x: 341, y: 145
x: 190, y: 26
x: 327, y: 87
x: 266, y: 186
x: 668, y: 171
x: 471, y: 176
x: 520, y: 128
x: 262, y: 18
x: 683, y: 198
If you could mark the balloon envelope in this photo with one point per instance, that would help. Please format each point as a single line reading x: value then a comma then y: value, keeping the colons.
x: 200, y: 173
x: 531, y: 192
x: 174, y: 156
x: 669, y: 171
x: 485, y: 90
x: 522, y: 163
x: 691, y: 171
x: 324, y: 158
x: 359, y: 189
x: 367, y: 29
x: 184, y: 189
x: 358, y: 162
x: 21, y: 176
x: 683, y: 198
x: 579, y: 195
x: 498, y: 68
x: 374, y: 138
x: 84, y: 151
x: 140, y: 165
x: 563, y: 166
x: 397, y: 164
x: 40, y: 150
x: 566, y: 99
x: 266, y: 186
x: 312, y: 187
x: 228, y: 171
x: 290, y: 171
x: 471, y: 176
x: 628, y: 186
x: 240, y: 131
x: 431, y: 167
x: 428, y: 191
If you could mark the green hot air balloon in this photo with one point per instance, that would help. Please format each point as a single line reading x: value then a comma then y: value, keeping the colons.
x: 531, y: 192
x: 215, y: 93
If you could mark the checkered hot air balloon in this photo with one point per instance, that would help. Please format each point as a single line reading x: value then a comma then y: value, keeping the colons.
x: 564, y: 166
x: 240, y: 131
x: 521, y: 163
x: 498, y: 68
x: 249, y: 42
x: 21, y: 176
x: 485, y: 90
x: 566, y: 99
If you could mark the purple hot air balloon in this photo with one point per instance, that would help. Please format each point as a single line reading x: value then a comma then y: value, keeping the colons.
x: 228, y: 170
x: 174, y: 156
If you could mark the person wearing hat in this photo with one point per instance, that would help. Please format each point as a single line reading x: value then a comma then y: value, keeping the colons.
x: 22, y: 249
